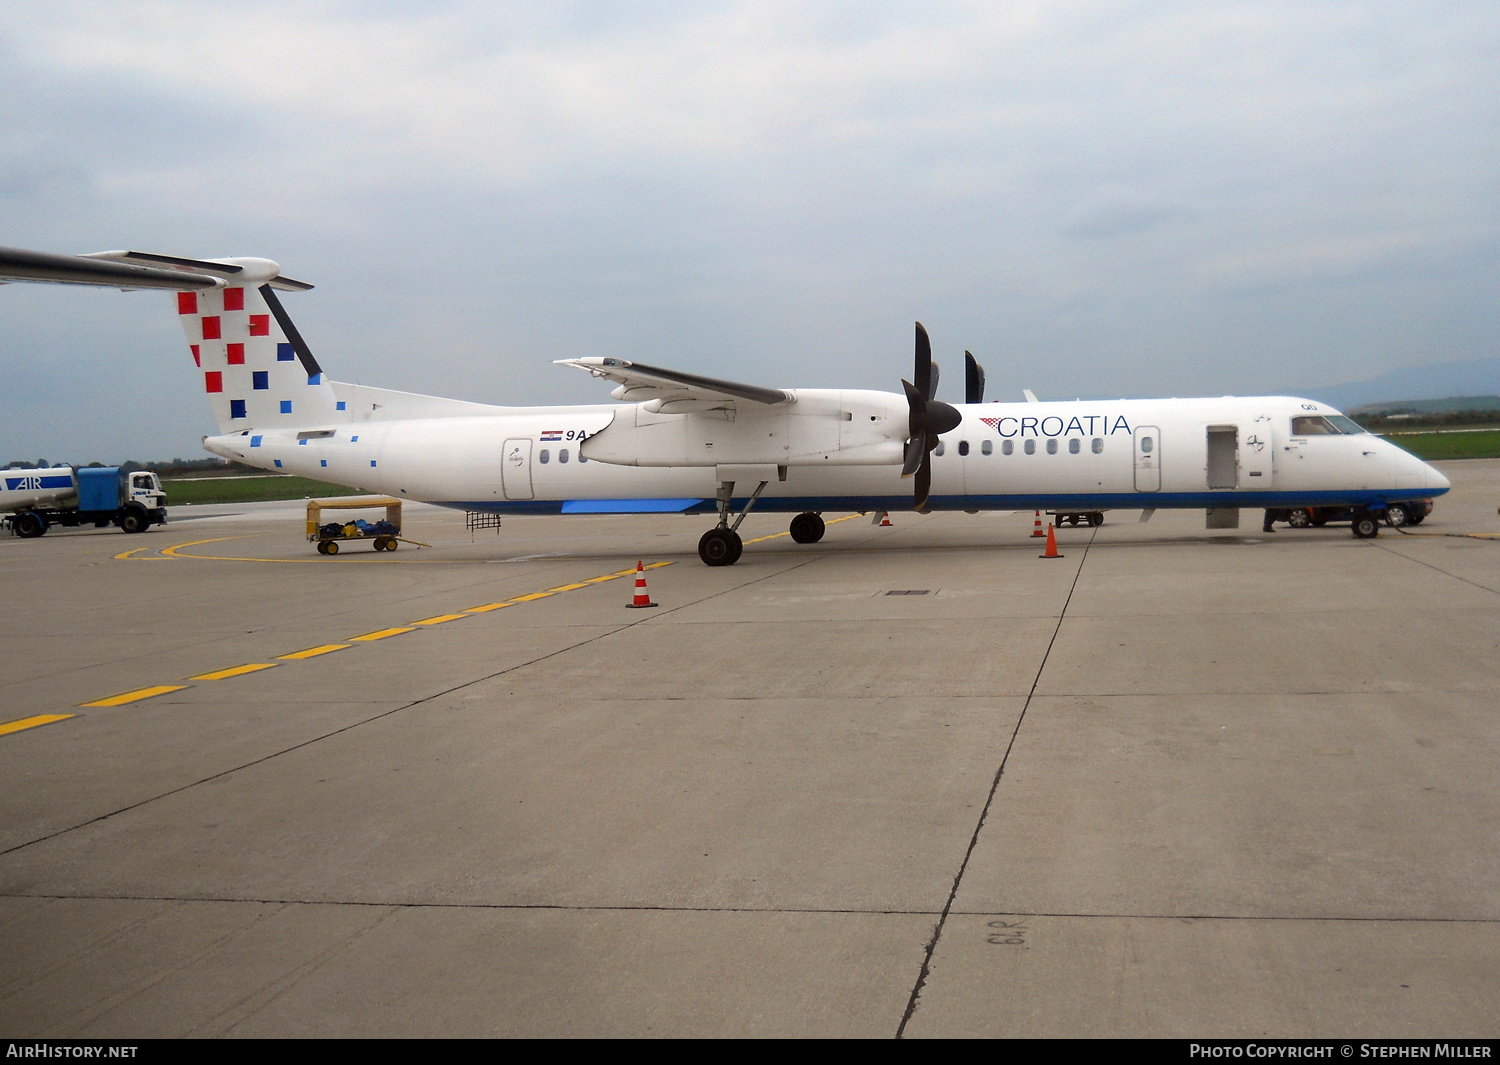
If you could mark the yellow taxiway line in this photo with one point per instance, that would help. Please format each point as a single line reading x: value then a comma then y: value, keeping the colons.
x: 31, y: 722
x: 777, y: 536
x: 136, y: 696
x: 234, y: 671
x: 381, y: 634
x: 139, y: 694
x: 314, y: 652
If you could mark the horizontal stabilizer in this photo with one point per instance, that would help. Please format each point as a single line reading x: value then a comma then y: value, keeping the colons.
x: 139, y: 270
x: 17, y: 264
x: 229, y: 269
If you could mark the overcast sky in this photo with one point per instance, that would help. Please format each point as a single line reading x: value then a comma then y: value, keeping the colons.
x: 1096, y: 198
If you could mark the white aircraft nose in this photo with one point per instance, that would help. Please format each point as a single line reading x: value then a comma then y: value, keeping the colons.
x: 1434, y: 478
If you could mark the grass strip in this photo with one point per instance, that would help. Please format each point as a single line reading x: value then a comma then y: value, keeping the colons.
x: 252, y: 490
x: 1484, y: 445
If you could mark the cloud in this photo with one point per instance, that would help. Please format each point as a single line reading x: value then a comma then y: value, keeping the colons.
x: 1119, y: 197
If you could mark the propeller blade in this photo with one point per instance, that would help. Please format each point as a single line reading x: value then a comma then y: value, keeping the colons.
x: 923, y: 484
x: 973, y: 379
x: 916, y: 454
x: 923, y: 377
x: 928, y: 419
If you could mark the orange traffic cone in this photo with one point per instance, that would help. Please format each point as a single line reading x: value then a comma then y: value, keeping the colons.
x: 885, y: 520
x: 1036, y: 527
x: 642, y: 598
x: 1051, y: 544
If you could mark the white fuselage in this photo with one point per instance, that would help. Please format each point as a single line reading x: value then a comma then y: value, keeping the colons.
x: 1086, y: 455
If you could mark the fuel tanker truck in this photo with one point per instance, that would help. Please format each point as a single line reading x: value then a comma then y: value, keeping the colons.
x: 35, y: 500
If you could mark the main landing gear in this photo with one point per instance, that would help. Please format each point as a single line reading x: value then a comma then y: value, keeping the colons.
x: 722, y: 546
x: 807, y: 528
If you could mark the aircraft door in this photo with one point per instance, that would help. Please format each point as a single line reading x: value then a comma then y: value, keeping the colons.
x: 515, y: 469
x: 1223, y: 456
x: 1147, y: 443
x: 1257, y: 452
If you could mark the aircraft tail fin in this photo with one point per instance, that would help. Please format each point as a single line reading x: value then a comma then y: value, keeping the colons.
x: 257, y: 371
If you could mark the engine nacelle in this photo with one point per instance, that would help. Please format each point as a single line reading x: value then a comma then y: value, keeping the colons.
x: 819, y: 427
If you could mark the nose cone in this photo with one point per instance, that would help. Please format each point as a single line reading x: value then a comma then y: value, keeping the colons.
x: 1436, y: 482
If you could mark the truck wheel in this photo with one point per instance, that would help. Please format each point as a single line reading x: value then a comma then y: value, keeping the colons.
x: 1396, y: 515
x: 29, y: 524
x: 1415, y: 518
x: 134, y: 520
x: 1299, y: 518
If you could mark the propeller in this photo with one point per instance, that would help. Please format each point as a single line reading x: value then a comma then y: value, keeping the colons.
x: 973, y: 379
x: 929, y: 419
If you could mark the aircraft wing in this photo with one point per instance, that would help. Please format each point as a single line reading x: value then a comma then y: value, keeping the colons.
x: 676, y: 391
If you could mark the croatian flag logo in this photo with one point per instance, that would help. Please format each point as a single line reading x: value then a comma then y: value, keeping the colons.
x: 552, y: 434
x: 993, y: 423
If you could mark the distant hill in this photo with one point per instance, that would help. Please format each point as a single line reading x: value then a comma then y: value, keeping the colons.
x: 1430, y: 406
x: 1454, y: 380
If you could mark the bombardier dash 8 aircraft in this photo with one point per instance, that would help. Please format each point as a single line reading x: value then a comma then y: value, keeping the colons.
x: 678, y: 442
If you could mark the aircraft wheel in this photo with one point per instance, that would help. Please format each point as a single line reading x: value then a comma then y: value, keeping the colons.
x: 1299, y: 518
x: 807, y: 528
x: 1096, y: 518
x: 1396, y: 515
x: 1365, y: 526
x: 29, y: 524
x: 720, y: 547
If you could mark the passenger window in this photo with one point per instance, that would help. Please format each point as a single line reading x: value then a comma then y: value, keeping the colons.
x: 543, y: 456
x: 562, y: 454
x: 963, y: 447
x: 939, y: 449
x: 1073, y: 446
x: 1030, y: 447
x: 581, y: 459
x: 1146, y: 445
x: 1098, y: 445
x: 1007, y: 447
x: 1052, y: 447
x: 987, y: 447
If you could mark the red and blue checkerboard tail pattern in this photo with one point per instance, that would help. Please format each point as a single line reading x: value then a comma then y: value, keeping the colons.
x: 253, y: 365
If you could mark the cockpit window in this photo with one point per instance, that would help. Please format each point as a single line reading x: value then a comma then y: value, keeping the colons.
x: 1345, y: 425
x: 1313, y: 426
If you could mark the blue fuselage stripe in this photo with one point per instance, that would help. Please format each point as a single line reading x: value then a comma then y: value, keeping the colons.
x: 1374, y: 498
